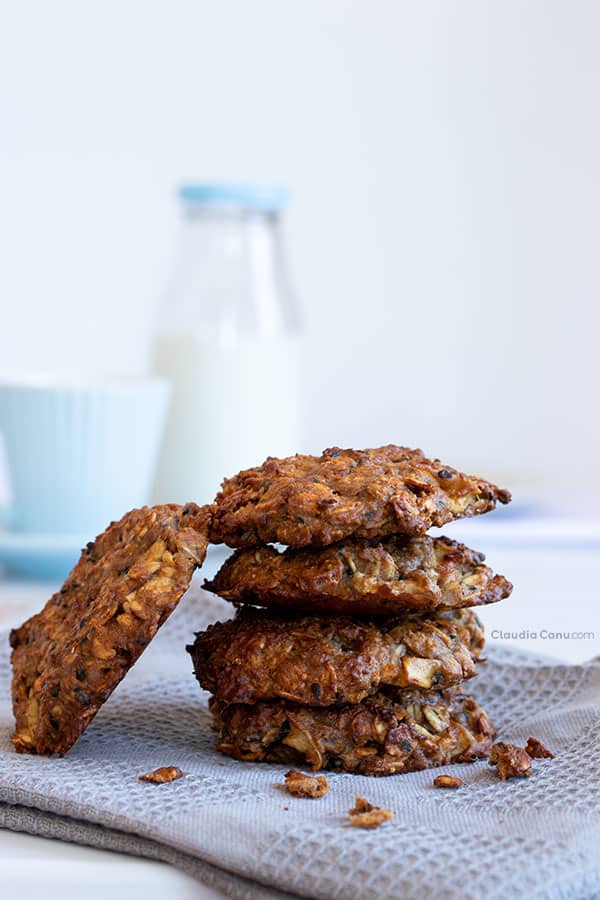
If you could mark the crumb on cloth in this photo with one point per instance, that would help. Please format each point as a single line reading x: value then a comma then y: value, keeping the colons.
x: 365, y: 815
x: 163, y: 775
x: 537, y: 750
x: 447, y: 781
x: 299, y: 785
x: 511, y: 761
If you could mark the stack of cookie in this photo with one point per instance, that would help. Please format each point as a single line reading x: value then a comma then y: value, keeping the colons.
x: 350, y: 647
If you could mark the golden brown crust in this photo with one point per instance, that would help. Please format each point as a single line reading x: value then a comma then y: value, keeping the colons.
x: 359, y: 577
x: 321, y: 660
x: 468, y: 627
x: 390, y: 733
x: 68, y: 658
x: 310, y: 500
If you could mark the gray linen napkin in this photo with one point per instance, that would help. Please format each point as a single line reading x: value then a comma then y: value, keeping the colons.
x: 227, y: 824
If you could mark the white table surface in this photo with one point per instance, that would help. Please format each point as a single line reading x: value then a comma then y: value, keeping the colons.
x: 35, y: 868
x: 555, y: 568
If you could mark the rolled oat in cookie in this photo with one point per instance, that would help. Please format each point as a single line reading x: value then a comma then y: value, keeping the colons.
x: 69, y: 658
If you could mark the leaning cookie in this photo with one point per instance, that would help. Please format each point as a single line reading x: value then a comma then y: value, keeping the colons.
x: 318, y: 500
x: 359, y: 577
x: 321, y: 660
x: 68, y: 658
x: 390, y: 733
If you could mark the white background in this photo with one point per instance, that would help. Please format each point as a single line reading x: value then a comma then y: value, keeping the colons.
x: 443, y: 160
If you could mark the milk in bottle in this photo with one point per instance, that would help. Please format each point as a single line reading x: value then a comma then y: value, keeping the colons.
x: 228, y: 339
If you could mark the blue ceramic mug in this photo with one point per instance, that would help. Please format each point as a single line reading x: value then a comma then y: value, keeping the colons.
x: 79, y: 455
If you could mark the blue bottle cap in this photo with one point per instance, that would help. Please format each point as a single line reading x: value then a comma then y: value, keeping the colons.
x: 266, y: 198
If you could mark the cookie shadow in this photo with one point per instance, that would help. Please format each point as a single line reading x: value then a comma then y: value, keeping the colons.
x: 147, y: 722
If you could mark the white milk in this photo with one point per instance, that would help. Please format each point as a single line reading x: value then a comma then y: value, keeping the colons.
x: 231, y: 407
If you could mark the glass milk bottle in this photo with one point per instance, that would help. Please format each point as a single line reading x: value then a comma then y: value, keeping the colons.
x: 228, y: 340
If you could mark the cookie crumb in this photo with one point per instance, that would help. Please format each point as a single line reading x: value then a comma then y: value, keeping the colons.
x: 365, y: 815
x: 537, y: 750
x: 162, y: 775
x: 511, y: 761
x: 299, y: 785
x: 447, y: 781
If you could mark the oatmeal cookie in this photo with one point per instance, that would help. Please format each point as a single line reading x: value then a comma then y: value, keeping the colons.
x: 389, y: 733
x: 69, y: 658
x: 322, y: 660
x: 318, y: 500
x: 360, y: 577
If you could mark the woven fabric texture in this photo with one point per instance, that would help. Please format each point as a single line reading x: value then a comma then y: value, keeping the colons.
x: 227, y: 824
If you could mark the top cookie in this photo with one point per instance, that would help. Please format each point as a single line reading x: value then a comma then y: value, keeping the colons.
x: 314, y: 501
x: 69, y: 658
